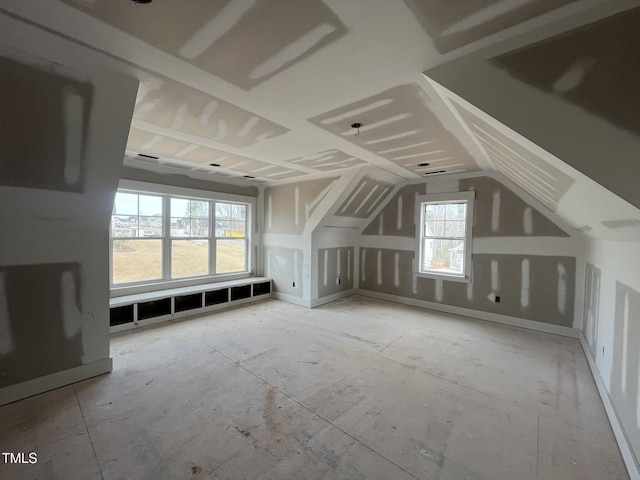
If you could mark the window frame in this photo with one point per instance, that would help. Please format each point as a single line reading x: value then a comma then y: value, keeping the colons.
x: 166, y: 192
x: 444, y: 198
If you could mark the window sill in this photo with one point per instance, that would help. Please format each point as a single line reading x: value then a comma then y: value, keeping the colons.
x: 132, y: 289
x: 444, y: 276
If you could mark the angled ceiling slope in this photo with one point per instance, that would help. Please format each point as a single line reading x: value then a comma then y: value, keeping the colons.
x: 570, y: 87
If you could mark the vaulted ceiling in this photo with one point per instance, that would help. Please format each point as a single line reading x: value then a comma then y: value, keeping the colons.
x: 267, y: 91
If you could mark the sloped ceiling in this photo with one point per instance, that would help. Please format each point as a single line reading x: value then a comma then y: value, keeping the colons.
x: 569, y: 86
x: 265, y: 92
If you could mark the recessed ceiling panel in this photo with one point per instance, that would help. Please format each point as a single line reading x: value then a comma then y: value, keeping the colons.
x: 533, y: 174
x: 399, y: 126
x: 595, y: 67
x: 242, y: 41
x: 452, y: 24
x: 327, y: 160
x: 166, y: 103
x: 174, y: 151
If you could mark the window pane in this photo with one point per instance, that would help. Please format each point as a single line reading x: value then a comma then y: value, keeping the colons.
x: 223, y: 211
x: 231, y: 255
x: 199, y: 209
x: 238, y: 229
x: 455, y: 228
x: 136, y: 260
x: 435, y: 211
x: 124, y: 226
x: 179, y: 227
x: 189, y: 258
x: 238, y: 212
x: 434, y: 229
x: 150, y: 226
x: 179, y: 207
x: 443, y: 256
x: 223, y: 228
x: 126, y: 204
x: 456, y: 211
x: 199, y: 227
x: 150, y: 206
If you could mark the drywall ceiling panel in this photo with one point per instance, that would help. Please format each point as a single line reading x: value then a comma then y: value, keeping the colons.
x: 398, y: 125
x: 44, y: 111
x: 365, y: 198
x: 327, y: 160
x: 241, y: 41
x: 534, y: 175
x: 184, y: 154
x: 454, y: 24
x: 595, y: 67
x: 170, y: 104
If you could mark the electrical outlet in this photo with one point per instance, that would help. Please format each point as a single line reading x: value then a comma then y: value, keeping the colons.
x: 294, y: 284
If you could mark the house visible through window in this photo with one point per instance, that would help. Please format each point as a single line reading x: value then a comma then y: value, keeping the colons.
x: 157, y: 238
x: 445, y: 235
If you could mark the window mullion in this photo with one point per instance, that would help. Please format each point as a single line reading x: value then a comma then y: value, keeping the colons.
x: 166, y: 238
x: 212, y: 238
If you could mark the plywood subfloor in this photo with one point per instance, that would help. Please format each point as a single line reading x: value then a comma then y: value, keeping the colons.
x: 357, y: 389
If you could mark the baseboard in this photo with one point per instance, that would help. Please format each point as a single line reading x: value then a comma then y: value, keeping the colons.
x: 630, y: 460
x: 477, y: 314
x: 43, y: 384
x: 316, y: 302
x: 291, y: 299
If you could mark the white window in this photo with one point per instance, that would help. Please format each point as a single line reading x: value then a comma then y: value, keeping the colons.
x: 163, y: 237
x: 444, y: 236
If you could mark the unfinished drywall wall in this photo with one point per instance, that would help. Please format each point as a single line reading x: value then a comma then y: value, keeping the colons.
x: 365, y: 198
x: 287, y: 236
x: 288, y: 207
x: 612, y: 329
x: 47, y: 291
x: 531, y: 282
x: 537, y: 177
x: 284, y: 266
x: 335, y: 270
x: 44, y: 111
x: 498, y: 212
x: 539, y: 288
x: 591, y: 306
x: 397, y: 217
x: 54, y: 263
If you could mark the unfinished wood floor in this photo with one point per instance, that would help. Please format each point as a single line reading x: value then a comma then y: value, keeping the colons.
x: 357, y: 389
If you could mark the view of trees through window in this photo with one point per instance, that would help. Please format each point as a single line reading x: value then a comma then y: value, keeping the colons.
x: 444, y: 237
x: 158, y: 238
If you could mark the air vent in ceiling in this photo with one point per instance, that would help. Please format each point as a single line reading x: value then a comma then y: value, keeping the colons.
x: 431, y: 173
x: 147, y: 156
